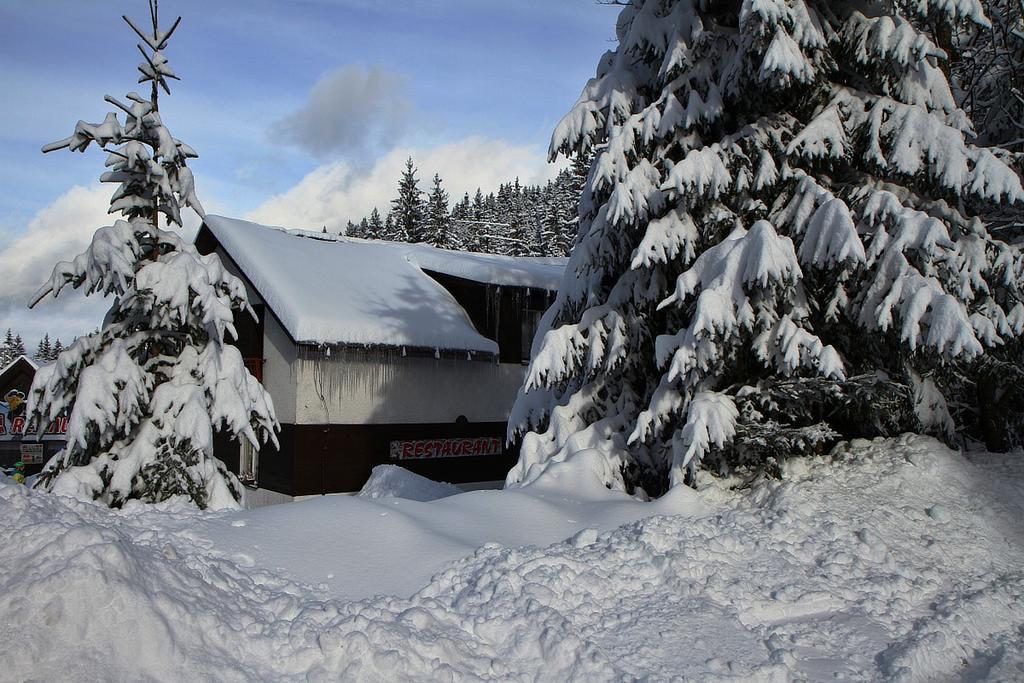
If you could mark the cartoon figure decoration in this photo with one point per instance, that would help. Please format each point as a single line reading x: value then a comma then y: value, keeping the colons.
x: 13, y: 404
x: 12, y: 412
x: 19, y: 472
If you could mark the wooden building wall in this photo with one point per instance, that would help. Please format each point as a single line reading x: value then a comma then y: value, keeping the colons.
x: 319, y: 459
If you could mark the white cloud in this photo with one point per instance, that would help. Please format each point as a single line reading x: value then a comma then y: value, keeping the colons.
x: 58, y: 232
x: 353, y: 110
x: 333, y: 194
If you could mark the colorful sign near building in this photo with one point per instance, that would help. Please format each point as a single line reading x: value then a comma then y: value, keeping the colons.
x: 14, y: 423
x: 19, y: 425
x: 445, y: 448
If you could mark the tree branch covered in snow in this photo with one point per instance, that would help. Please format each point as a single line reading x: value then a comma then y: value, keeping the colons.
x: 145, y: 393
x: 988, y: 77
x: 779, y: 241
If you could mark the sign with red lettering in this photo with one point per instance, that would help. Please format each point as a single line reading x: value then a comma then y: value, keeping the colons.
x: 426, y: 449
x: 15, y: 425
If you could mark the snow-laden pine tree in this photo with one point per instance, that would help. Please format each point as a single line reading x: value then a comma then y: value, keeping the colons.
x: 146, y: 391
x: 989, y: 83
x: 773, y: 249
x: 8, y: 351
x: 439, y: 227
x: 990, y: 73
x: 374, y: 226
x: 407, y: 208
x: 19, y: 346
x: 44, y: 352
x: 563, y: 223
x: 517, y: 236
x: 460, y: 224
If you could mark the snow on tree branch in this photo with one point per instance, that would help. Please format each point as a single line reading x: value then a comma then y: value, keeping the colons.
x: 779, y: 232
x: 146, y: 392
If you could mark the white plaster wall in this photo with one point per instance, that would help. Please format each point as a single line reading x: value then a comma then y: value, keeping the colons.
x: 349, y: 389
x: 279, y: 368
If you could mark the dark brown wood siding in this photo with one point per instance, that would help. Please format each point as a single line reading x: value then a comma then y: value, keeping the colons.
x: 277, y: 468
x: 319, y: 459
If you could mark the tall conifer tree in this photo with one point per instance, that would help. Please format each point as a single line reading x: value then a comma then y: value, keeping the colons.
x: 375, y: 226
x: 9, y: 348
x: 439, y: 223
x: 44, y: 353
x: 146, y: 391
x: 773, y: 251
x: 407, y: 208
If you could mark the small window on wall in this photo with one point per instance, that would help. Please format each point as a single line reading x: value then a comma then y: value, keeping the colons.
x: 248, y: 463
x: 531, y: 321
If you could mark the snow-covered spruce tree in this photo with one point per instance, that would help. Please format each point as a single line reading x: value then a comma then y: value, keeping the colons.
x: 8, y: 352
x: 439, y: 228
x: 772, y: 252
x: 374, y: 226
x: 518, y: 235
x: 44, y: 352
x: 407, y: 208
x: 458, y: 224
x: 989, y: 73
x: 988, y: 79
x: 146, y: 391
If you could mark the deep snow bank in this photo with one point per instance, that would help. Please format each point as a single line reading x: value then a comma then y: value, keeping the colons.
x: 900, y: 561
x: 392, y: 481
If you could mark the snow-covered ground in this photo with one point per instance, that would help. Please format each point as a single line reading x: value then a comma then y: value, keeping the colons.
x: 892, y: 560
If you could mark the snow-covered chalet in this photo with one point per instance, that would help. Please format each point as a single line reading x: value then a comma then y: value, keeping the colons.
x: 378, y: 352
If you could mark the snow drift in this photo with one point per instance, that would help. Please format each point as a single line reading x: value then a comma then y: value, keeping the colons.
x: 392, y: 481
x: 897, y: 560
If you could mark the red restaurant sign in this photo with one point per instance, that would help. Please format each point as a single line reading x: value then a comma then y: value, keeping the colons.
x: 445, y: 448
x: 19, y: 426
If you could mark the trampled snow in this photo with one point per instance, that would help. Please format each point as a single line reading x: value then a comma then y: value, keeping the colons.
x: 890, y: 560
x: 328, y: 289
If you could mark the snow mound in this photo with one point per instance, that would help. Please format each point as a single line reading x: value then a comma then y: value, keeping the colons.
x: 392, y: 481
x: 98, y: 596
x: 844, y: 570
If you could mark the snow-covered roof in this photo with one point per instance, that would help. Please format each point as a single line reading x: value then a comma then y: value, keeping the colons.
x: 27, y: 359
x: 329, y: 289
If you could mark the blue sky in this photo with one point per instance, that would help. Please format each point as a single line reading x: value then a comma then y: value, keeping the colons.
x: 301, y: 111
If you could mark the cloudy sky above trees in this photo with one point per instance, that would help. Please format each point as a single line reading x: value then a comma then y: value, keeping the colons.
x: 302, y: 112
